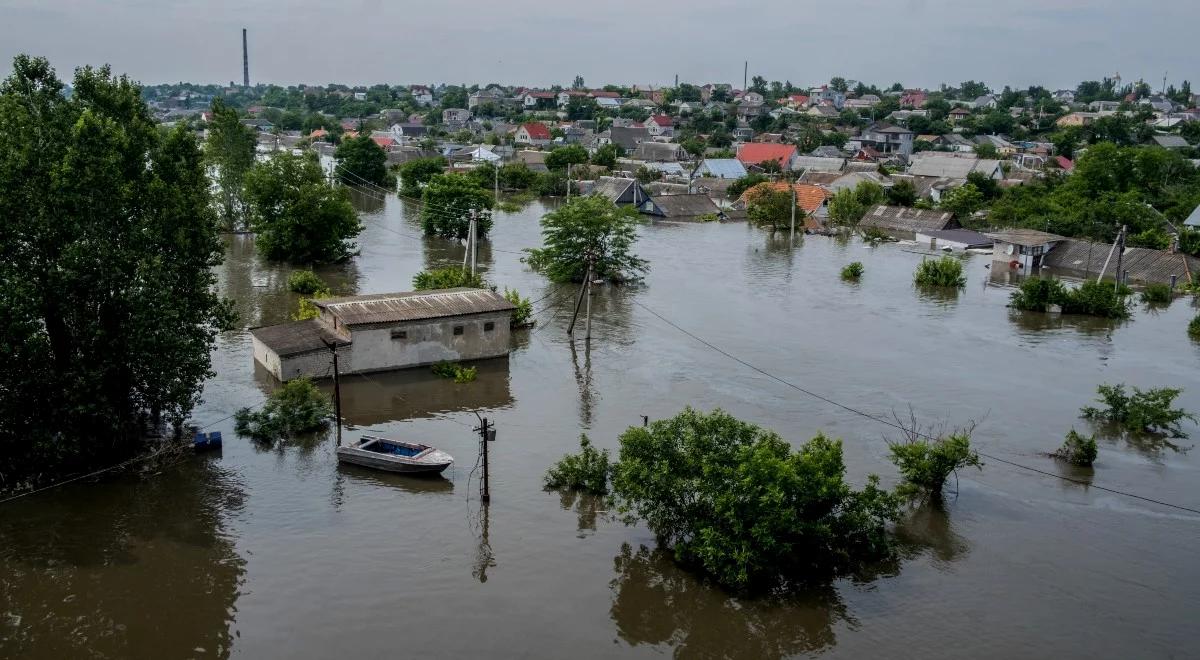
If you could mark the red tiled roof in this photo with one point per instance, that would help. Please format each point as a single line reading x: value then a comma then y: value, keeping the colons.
x: 662, y: 120
x: 601, y: 94
x: 798, y: 99
x: 383, y: 141
x: 808, y: 197
x: 320, y: 132
x: 541, y: 95
x: 1065, y: 163
x: 536, y: 131
x: 757, y: 152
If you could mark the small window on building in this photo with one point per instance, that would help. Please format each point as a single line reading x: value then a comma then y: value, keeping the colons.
x: 458, y: 329
x: 489, y: 326
x: 399, y: 334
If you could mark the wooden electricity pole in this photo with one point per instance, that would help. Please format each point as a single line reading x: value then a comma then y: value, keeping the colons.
x: 487, y: 433
x: 337, y: 390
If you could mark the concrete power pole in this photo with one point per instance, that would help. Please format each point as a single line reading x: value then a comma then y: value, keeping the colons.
x: 745, y: 74
x: 245, y: 61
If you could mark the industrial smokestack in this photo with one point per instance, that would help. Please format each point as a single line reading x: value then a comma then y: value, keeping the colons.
x: 245, y: 61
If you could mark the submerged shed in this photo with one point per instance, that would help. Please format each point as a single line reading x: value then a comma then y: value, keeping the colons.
x: 680, y: 207
x: 1077, y: 258
x: 905, y: 222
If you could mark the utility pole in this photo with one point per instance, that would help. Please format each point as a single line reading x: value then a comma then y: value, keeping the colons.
x: 568, y: 182
x: 583, y: 288
x: 497, y: 166
x: 245, y: 61
x: 337, y: 389
x: 487, y: 433
x: 1120, y: 254
x: 745, y: 75
x: 587, y: 334
x: 474, y: 239
x: 793, y: 239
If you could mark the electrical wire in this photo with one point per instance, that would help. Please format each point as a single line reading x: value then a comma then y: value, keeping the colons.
x: 901, y: 427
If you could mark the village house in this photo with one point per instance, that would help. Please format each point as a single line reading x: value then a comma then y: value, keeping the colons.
x: 826, y: 95
x: 660, y: 152
x: 404, y: 133
x: 421, y: 95
x: 533, y: 133
x: 1080, y: 258
x: 660, y: 126
x: 813, y: 200
x: 536, y: 100
x: 388, y: 331
x: 953, y: 239
x: 886, y: 139
x: 620, y: 191
x: 953, y: 166
x: 482, y: 97
x: 756, y: 153
x: 455, y: 118
x: 1078, y: 119
x: 913, y: 98
x: 904, y: 222
x: 721, y: 168
x: 689, y: 207
x: 958, y: 114
x: 1022, y: 248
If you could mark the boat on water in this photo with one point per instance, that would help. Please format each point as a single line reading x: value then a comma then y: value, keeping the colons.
x: 395, y: 456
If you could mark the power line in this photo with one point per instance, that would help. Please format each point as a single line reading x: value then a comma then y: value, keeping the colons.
x: 901, y: 427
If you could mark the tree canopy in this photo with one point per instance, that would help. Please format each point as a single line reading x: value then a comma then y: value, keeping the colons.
x: 362, y: 162
x: 586, y: 228
x: 448, y: 201
x: 110, y: 239
x: 230, y: 150
x: 298, y: 216
x: 417, y: 172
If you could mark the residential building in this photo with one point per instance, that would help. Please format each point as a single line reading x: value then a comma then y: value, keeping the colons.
x: 755, y: 153
x: 660, y: 152
x: 482, y: 97
x: 620, y: 191
x: 952, y: 239
x: 826, y: 95
x: 660, y: 126
x: 1104, y: 106
x: 626, y: 137
x: 388, y: 331
x: 455, y: 118
x: 904, y: 222
x: 1171, y: 141
x: 913, y: 98
x: 887, y: 139
x: 680, y: 207
x: 1077, y: 119
x: 721, y: 168
x: 533, y: 133
x: 953, y: 166
x: 1022, y: 248
x: 1065, y: 96
x: 1080, y: 258
x: 986, y: 102
x: 538, y: 100
x: 957, y: 114
x: 421, y: 95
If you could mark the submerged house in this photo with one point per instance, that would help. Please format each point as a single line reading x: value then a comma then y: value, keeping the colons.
x: 905, y: 222
x: 680, y: 207
x: 388, y: 331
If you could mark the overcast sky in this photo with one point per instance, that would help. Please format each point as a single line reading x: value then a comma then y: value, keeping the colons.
x: 1054, y: 43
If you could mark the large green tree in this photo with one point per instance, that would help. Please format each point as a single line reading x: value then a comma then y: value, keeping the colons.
x: 447, y: 203
x: 106, y: 275
x: 362, y: 162
x: 417, y: 172
x: 230, y: 151
x: 298, y: 215
x: 587, y: 229
x: 562, y: 157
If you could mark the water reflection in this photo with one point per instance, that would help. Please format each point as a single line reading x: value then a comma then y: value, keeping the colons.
x: 408, y: 483
x: 929, y: 528
x: 583, y: 378
x: 1037, y: 323
x: 485, y: 558
x: 589, y: 508
x: 145, y: 570
x: 367, y: 201
x: 655, y: 602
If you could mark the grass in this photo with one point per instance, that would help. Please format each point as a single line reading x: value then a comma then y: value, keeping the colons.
x: 852, y: 271
x: 945, y: 272
x: 459, y: 373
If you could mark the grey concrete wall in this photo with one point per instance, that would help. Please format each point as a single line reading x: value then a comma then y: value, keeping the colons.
x: 428, y: 342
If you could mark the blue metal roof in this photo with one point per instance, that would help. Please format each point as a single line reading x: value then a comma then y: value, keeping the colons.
x: 723, y: 168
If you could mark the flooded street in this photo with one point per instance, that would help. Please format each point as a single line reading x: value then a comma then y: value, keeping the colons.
x: 263, y: 552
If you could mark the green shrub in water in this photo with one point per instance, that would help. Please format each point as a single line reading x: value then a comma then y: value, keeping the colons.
x: 586, y: 471
x: 524, y: 311
x: 926, y: 464
x: 305, y: 282
x: 1156, y: 294
x: 459, y: 373
x: 447, y: 278
x: 297, y: 407
x: 1038, y: 294
x: 1146, y: 411
x: 852, y: 271
x: 1093, y: 298
x: 1078, y: 449
x: 946, y: 271
x: 1194, y: 328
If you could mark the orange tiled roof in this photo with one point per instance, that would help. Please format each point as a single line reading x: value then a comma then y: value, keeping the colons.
x: 757, y: 152
x: 808, y: 197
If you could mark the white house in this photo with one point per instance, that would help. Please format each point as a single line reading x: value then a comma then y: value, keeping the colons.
x: 421, y: 95
x: 660, y: 126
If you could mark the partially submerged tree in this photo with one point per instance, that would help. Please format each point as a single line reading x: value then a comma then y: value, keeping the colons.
x: 362, y: 162
x: 772, y: 209
x: 109, y: 300
x: 294, y: 409
x: 1078, y: 449
x: 1143, y: 411
x: 735, y: 501
x: 417, y: 172
x: 852, y: 271
x: 845, y: 209
x: 230, y: 150
x: 298, y: 216
x: 927, y: 457
x: 944, y: 272
x: 448, y: 202
x: 586, y: 471
x: 588, y: 229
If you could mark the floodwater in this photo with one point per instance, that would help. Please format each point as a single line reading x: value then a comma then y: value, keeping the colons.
x: 276, y: 551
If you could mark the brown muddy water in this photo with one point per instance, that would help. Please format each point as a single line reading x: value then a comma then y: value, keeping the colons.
x: 264, y: 552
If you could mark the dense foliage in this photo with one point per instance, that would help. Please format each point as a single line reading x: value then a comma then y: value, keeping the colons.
x: 1156, y: 293
x: 448, y: 200
x: 740, y: 186
x: 306, y: 282
x: 1038, y: 294
x: 459, y: 373
x: 362, y: 162
x: 925, y: 464
x: 1147, y: 411
x: 565, y: 156
x: 1093, y: 298
x: 298, y: 215
x: 945, y: 271
x: 845, y: 209
x: 229, y: 149
x: 106, y: 264
x: 1078, y: 449
x: 294, y: 409
x: 447, y: 278
x: 583, y: 229
x: 523, y: 314
x: 735, y: 501
x: 1193, y: 328
x: 586, y: 471
x: 772, y: 209
x: 852, y: 271
x: 417, y: 172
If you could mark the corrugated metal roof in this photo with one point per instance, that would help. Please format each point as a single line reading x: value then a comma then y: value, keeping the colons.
x: 288, y: 339
x: 1025, y: 237
x: 684, y: 206
x: 902, y: 218
x: 723, y: 168
x: 950, y: 166
x: 414, y: 305
x: 820, y: 164
x: 1143, y: 264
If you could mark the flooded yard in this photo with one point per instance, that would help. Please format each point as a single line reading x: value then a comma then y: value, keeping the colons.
x: 280, y: 552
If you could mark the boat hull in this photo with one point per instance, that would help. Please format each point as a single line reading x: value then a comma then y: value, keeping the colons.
x: 427, y: 461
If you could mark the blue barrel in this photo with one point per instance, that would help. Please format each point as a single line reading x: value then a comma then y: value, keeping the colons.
x: 207, y: 441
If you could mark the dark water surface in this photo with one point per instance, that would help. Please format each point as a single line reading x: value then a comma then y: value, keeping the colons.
x: 265, y: 552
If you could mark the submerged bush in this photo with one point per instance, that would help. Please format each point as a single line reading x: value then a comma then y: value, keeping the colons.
x: 1038, y: 294
x: 306, y: 309
x: 1093, y: 298
x: 447, y: 278
x: 926, y: 464
x: 737, y: 502
x: 305, y: 281
x: 1194, y: 328
x: 1078, y: 449
x: 946, y: 271
x: 852, y: 271
x: 523, y: 314
x: 1146, y: 411
x: 875, y: 234
x: 586, y: 471
x: 297, y: 407
x: 459, y: 373
x: 1156, y: 294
